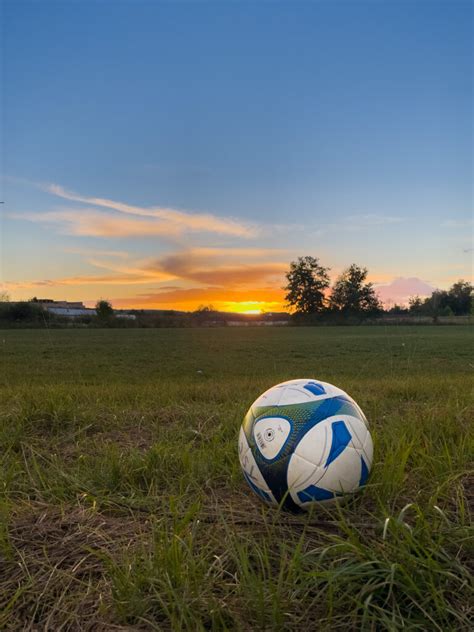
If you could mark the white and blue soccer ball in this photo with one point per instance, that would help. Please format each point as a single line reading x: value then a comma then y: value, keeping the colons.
x: 305, y: 442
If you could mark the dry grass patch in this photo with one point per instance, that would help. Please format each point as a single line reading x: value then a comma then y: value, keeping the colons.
x: 52, y: 575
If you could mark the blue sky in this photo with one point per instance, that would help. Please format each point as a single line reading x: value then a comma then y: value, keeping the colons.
x: 257, y: 131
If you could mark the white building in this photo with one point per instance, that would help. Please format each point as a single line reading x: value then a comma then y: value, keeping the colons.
x: 70, y: 312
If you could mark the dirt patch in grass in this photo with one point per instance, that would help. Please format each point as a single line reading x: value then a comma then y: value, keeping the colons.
x: 137, y: 437
x: 52, y: 572
x: 245, y: 512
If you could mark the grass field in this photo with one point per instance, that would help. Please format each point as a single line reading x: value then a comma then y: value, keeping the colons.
x: 122, y: 504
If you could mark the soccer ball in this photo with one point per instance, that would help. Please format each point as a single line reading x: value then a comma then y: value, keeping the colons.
x: 304, y: 442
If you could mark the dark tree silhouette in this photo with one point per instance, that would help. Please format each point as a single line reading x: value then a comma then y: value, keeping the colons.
x: 455, y: 301
x: 104, y: 310
x: 460, y: 297
x: 204, y: 313
x: 415, y: 304
x: 352, y: 296
x: 307, y: 282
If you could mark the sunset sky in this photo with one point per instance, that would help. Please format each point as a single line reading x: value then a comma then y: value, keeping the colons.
x: 167, y: 155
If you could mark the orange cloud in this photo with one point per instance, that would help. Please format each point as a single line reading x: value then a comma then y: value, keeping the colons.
x: 204, y: 268
x: 128, y: 277
x: 166, y: 221
x: 225, y: 280
x: 89, y: 223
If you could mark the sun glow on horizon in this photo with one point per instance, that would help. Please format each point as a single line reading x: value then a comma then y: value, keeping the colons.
x: 251, y: 308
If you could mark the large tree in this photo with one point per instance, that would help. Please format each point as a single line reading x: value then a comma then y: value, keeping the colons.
x: 104, y: 310
x: 460, y: 297
x: 307, y: 283
x: 351, y: 295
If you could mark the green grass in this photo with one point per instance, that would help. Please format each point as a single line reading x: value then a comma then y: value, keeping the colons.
x: 122, y: 504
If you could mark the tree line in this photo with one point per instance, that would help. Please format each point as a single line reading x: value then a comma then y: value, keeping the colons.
x: 457, y: 301
x: 309, y: 295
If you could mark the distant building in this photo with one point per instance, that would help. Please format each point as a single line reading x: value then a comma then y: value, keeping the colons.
x: 49, y: 302
x: 74, y: 309
x: 125, y: 316
x: 69, y: 309
x: 71, y: 312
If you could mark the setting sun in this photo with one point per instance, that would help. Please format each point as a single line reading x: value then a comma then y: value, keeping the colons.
x: 252, y: 307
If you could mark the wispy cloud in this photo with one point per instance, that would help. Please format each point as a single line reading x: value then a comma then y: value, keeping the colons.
x: 161, y: 220
x: 86, y: 280
x: 83, y: 222
x: 457, y: 223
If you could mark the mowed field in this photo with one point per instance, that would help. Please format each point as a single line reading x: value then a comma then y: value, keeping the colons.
x: 123, y: 507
